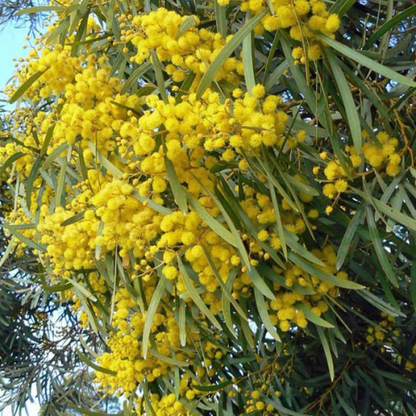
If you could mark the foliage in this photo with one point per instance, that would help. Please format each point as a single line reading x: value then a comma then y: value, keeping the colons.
x: 224, y: 194
x: 11, y: 11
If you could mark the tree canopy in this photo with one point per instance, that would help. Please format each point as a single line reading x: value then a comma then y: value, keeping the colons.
x: 209, y: 208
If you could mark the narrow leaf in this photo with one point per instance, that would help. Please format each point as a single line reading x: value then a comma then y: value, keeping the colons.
x: 226, y: 51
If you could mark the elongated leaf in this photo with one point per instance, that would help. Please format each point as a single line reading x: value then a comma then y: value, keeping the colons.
x: 54, y: 155
x: 177, y: 190
x: 159, y: 76
x: 379, y: 249
x: 313, y: 317
x: 25, y: 86
x: 336, y: 281
x: 135, y: 76
x: 30, y: 180
x: 182, y: 323
x: 226, y: 51
x: 380, y: 303
x: 39, y: 9
x: 367, y: 62
x: 152, y: 204
x: 7, y: 252
x: 211, y: 221
x: 195, y: 296
x: 327, y: 351
x: 385, y: 27
x: 93, y: 365
x: 104, y: 161
x: 214, y: 387
x: 264, y: 315
x: 279, y: 226
x: 248, y: 62
x: 259, y: 283
x: 349, y: 235
x: 220, y: 18
x: 82, y: 289
x: 348, y: 100
x: 413, y: 284
x: 59, y: 195
x: 30, y: 243
x: 225, y: 289
x: 299, y: 249
x: 10, y: 161
x: 186, y: 25
x: 340, y: 7
x: 95, y: 413
x: 75, y: 218
x: 154, y: 304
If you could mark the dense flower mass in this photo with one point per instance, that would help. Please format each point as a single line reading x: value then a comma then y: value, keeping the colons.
x: 194, y: 223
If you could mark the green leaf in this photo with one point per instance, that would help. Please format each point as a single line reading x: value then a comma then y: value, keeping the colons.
x: 75, y: 218
x: 182, y: 323
x: 388, y: 25
x: 224, y: 288
x: 259, y: 283
x: 300, y: 77
x: 275, y: 76
x: 327, y: 351
x: 264, y: 315
x: 135, y: 76
x: 169, y: 360
x: 349, y: 104
x: 313, y: 317
x: 92, y: 413
x: 7, y: 252
x: 212, y: 222
x: 177, y: 190
x: 10, y: 161
x: 299, y: 249
x: 186, y: 25
x: 104, y: 161
x: 30, y: 180
x: 60, y: 188
x: 248, y: 62
x: 279, y: 226
x: 94, y: 366
x: 340, y: 7
x: 160, y: 81
x: 153, y: 306
x: 195, y: 296
x: 220, y: 18
x: 213, y: 387
x: 39, y: 9
x: 311, y: 269
x: 54, y: 155
x: 32, y: 244
x: 300, y: 186
x: 226, y: 51
x: 270, y: 274
x: 349, y: 235
x: 82, y: 289
x: 380, y: 303
x: 152, y: 204
x: 367, y: 62
x: 239, y: 243
x: 25, y: 86
x: 379, y: 248
x: 413, y: 284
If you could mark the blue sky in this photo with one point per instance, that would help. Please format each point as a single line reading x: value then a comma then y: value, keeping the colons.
x: 11, y: 41
x: 11, y: 45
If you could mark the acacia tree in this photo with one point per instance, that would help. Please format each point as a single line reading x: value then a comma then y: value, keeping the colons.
x: 223, y: 194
